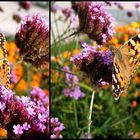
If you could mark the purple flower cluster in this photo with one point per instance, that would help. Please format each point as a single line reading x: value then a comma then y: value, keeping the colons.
x: 73, y: 90
x: 25, y: 117
x: 96, y: 63
x: 32, y: 38
x: 56, y: 128
x: 95, y: 21
x: 37, y: 94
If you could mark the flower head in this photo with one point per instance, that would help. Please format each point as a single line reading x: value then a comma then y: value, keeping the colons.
x: 95, y: 63
x: 129, y: 14
x: 17, y: 17
x: 17, y: 129
x: 25, y: 116
x: 3, y: 133
x: 25, y: 4
x: 95, y: 21
x: 56, y: 128
x: 137, y: 5
x: 72, y: 90
x: 32, y: 38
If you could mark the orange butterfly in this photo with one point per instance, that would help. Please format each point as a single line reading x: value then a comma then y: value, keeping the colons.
x: 126, y: 61
x: 4, y: 64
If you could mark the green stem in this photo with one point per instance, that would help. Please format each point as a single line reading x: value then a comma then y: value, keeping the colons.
x: 119, y: 122
x: 90, y: 113
x: 75, y: 113
x: 28, y: 78
x: 60, y: 40
x: 18, y: 62
x: 86, y: 87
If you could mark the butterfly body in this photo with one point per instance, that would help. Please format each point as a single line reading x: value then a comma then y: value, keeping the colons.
x: 125, y: 61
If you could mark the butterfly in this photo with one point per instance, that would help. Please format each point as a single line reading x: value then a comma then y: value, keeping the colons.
x: 4, y: 64
x: 126, y: 61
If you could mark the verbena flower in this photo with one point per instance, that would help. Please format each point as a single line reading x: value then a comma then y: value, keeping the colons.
x: 1, y: 9
x: 129, y: 14
x: 96, y: 63
x: 13, y: 78
x: 18, y: 129
x: 56, y: 128
x: 72, y: 89
x: 17, y: 17
x: 137, y: 5
x: 119, y: 5
x: 32, y: 38
x: 25, y: 4
x: 95, y: 21
x: 24, y: 117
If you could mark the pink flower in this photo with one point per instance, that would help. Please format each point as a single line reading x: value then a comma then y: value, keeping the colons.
x: 95, y: 21
x: 26, y: 126
x: 72, y: 89
x: 18, y: 129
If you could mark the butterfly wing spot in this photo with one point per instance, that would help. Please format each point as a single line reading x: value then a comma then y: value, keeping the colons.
x: 133, y: 43
x: 115, y: 80
x: 132, y: 51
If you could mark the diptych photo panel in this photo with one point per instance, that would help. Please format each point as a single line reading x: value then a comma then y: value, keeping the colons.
x: 69, y: 70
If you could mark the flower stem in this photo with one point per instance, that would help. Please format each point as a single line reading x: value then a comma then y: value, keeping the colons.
x: 90, y: 113
x: 60, y: 40
x: 75, y: 113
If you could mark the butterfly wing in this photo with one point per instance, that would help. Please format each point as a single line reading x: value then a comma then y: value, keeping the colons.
x: 4, y: 64
x: 126, y: 61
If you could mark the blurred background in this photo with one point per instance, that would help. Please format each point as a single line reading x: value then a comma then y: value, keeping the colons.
x: 8, y: 9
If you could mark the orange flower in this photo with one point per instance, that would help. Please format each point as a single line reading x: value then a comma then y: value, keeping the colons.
x: 134, y: 103
x: 136, y: 94
x: 136, y: 136
x: 34, y: 83
x: 11, y: 85
x: 66, y: 54
x: 3, y: 133
x: 47, y: 92
x: 126, y: 37
x: 75, y: 52
x: 104, y: 48
x: 136, y: 79
x: 18, y: 71
x: 22, y: 85
x: 114, y: 41
x: 55, y: 77
x: 56, y: 59
x: 12, y: 51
